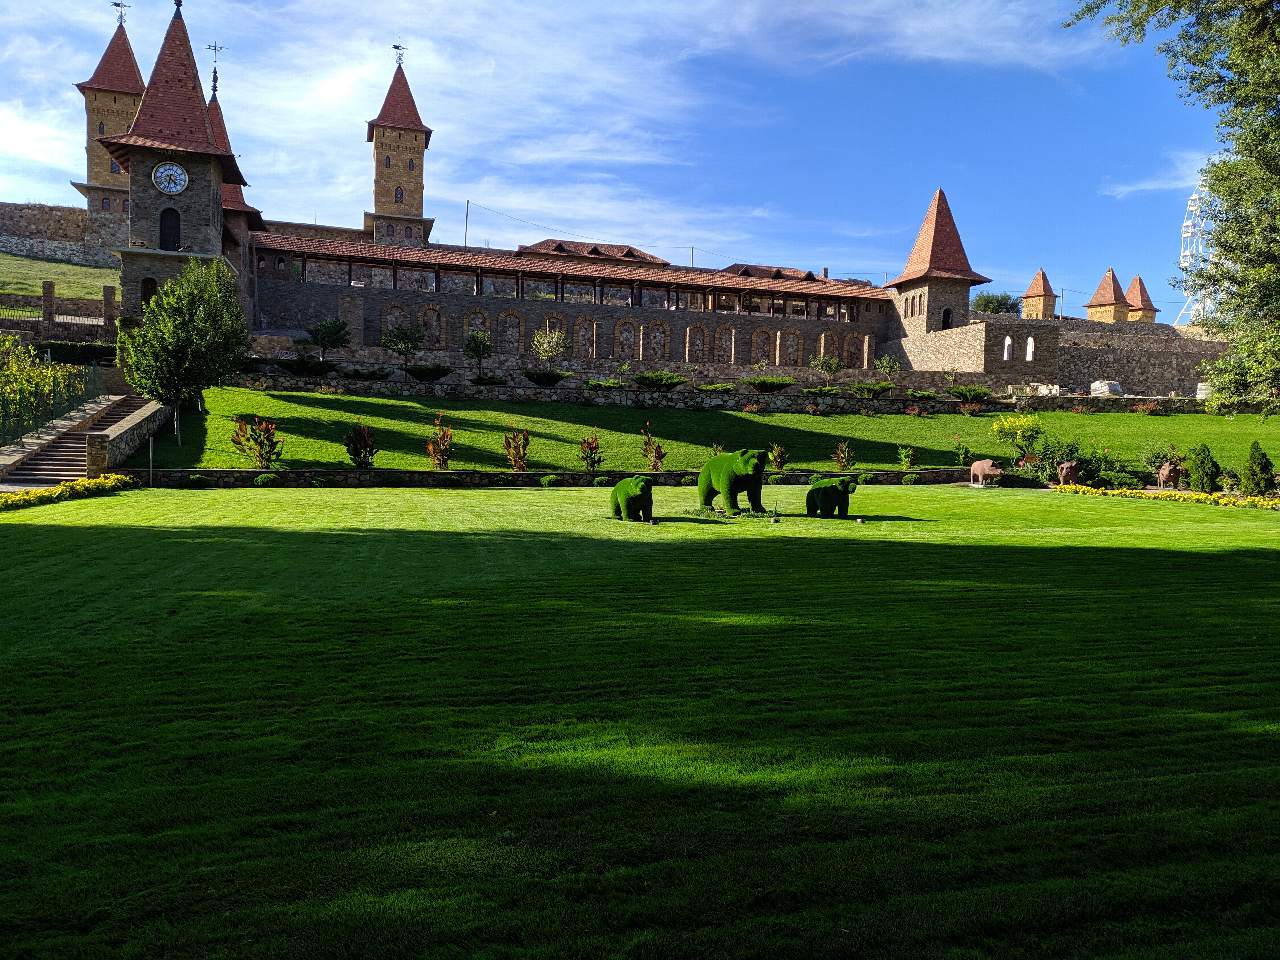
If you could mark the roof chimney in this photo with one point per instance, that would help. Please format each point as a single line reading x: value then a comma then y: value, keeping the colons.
x: 826, y: 273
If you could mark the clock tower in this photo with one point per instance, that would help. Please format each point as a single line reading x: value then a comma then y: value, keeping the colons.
x: 176, y: 168
x: 400, y: 139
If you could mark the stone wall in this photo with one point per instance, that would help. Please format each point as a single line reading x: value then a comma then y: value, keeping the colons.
x: 318, y: 231
x: 109, y: 448
x: 52, y: 233
x: 1145, y: 359
x: 959, y: 349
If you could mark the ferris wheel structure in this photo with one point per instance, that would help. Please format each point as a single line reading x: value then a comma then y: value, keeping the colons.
x: 1196, y: 253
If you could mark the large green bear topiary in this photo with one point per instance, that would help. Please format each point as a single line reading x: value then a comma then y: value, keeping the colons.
x: 730, y: 474
x: 830, y: 498
x: 633, y: 499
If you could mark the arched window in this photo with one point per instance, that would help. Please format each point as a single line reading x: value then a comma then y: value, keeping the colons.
x: 102, y: 129
x: 170, y: 229
x: 262, y: 263
x: 946, y: 317
x: 399, y: 194
x: 148, y: 290
x: 391, y: 227
x: 408, y: 233
x: 1008, y: 348
x: 1031, y: 349
x: 106, y: 203
x: 115, y: 167
x: 411, y: 164
x: 386, y: 161
x: 280, y: 264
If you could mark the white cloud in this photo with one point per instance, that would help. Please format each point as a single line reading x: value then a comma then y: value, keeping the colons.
x: 1181, y: 171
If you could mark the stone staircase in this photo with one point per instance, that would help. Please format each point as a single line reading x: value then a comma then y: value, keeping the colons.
x: 64, y: 458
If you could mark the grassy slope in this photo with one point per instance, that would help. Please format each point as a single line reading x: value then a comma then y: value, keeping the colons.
x: 455, y: 724
x: 313, y: 426
x: 23, y: 275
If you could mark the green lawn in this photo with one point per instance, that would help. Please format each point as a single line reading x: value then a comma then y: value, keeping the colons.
x: 313, y: 425
x: 446, y: 723
x: 23, y: 275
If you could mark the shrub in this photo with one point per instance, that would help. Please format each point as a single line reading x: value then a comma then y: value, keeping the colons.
x: 717, y: 387
x: 651, y: 448
x: 906, y: 457
x: 1258, y: 479
x: 478, y: 347
x: 1178, y: 496
x: 1156, y: 457
x: 659, y: 380
x: 33, y: 392
x: 440, y: 443
x: 1203, y: 472
x: 774, y: 478
x: 1020, y: 431
x: 550, y: 480
x: 889, y: 366
x: 970, y: 394
x: 843, y: 455
x: 430, y: 373
x: 921, y: 395
x: 1151, y: 408
x: 549, y: 345
x: 827, y: 391
x: 516, y: 446
x: 971, y: 409
x: 602, y: 482
x: 778, y: 456
x: 547, y: 378
x: 688, y: 480
x: 828, y: 366
x: 869, y: 390
x: 717, y: 449
x: 332, y: 333
x: 267, y: 480
x: 866, y: 478
x: 910, y: 479
x: 590, y: 454
x: 404, y: 340
x: 769, y: 384
x: 753, y: 408
x: 964, y: 456
x: 1120, y: 480
x: 70, y: 490
x: 258, y: 442
x: 361, y: 447
x: 611, y: 383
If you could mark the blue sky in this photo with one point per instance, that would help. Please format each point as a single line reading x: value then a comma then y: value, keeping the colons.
x: 810, y: 133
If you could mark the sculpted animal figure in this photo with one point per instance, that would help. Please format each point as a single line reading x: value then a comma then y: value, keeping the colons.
x: 1068, y: 473
x: 1168, y: 476
x: 731, y: 474
x: 982, y: 471
x: 829, y: 498
x: 633, y: 499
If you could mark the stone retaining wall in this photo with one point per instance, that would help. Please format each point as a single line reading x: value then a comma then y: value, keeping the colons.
x: 110, y: 448
x: 473, y: 479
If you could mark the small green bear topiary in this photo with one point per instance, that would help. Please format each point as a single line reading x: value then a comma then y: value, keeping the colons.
x: 830, y: 498
x: 731, y: 474
x: 632, y: 499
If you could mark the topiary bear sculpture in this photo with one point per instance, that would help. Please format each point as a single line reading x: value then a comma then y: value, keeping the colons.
x: 830, y: 498
x: 633, y: 499
x: 730, y: 474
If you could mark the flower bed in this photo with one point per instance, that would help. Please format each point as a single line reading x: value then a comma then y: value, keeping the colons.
x: 1178, y: 496
x: 71, y: 490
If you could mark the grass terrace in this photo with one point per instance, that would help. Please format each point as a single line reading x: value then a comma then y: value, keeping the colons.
x: 23, y: 275
x: 313, y: 425
x: 445, y: 723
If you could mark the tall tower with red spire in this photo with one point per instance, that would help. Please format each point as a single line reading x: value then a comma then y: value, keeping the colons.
x: 932, y: 292
x: 177, y: 169
x: 400, y: 140
x: 111, y: 98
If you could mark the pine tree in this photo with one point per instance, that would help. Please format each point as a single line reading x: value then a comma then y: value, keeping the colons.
x: 1258, y: 479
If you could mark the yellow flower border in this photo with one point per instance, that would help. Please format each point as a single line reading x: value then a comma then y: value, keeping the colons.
x: 70, y: 490
x: 1177, y: 496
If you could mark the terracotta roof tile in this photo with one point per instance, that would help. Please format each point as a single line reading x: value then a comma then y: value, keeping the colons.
x: 1040, y: 286
x: 117, y: 71
x: 399, y: 110
x: 1138, y: 298
x: 1108, y: 292
x: 578, y: 248
x: 765, y: 272
x: 232, y: 193
x: 938, y: 251
x: 512, y: 261
x: 172, y: 115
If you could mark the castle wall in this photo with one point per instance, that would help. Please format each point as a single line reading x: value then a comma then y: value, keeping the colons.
x: 1145, y: 359
x: 961, y: 349
x: 318, y: 231
x: 65, y: 234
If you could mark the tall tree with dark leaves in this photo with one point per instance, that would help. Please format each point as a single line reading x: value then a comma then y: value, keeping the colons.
x: 1226, y: 55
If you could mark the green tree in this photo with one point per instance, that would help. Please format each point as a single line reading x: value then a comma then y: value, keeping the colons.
x: 997, y: 303
x: 828, y: 365
x: 404, y: 340
x: 1203, y: 472
x: 549, y: 345
x: 1258, y: 479
x: 192, y: 337
x: 332, y: 333
x: 478, y: 347
x: 1226, y: 55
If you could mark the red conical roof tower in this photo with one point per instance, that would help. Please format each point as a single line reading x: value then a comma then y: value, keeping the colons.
x: 938, y: 251
x: 399, y: 110
x: 1108, y: 292
x: 117, y: 71
x: 232, y: 193
x: 1138, y: 297
x: 173, y: 115
x: 1040, y: 286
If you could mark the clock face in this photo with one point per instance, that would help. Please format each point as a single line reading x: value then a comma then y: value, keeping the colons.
x: 170, y: 178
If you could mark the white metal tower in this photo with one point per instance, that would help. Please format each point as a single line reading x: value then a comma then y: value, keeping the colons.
x: 1195, y: 253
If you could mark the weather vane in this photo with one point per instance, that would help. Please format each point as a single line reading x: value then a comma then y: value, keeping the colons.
x: 217, y: 48
x: 121, y: 7
x: 399, y: 49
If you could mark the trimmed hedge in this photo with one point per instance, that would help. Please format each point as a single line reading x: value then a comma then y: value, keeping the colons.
x: 71, y: 490
x: 769, y: 384
x: 659, y: 380
x: 1177, y: 496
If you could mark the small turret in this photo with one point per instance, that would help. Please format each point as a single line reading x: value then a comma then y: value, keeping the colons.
x: 1108, y: 304
x: 1040, y: 302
